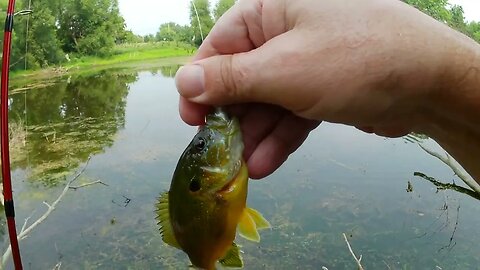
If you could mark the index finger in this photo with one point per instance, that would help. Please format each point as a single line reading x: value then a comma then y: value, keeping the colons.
x: 238, y: 30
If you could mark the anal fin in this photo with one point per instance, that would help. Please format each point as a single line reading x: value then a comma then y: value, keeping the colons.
x: 250, y: 222
x: 258, y: 218
x: 232, y: 258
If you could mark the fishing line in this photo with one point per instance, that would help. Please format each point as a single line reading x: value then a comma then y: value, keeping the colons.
x: 198, y: 19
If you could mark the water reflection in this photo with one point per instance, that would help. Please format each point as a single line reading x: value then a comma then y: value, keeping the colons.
x: 56, y: 128
x: 169, y: 71
x: 340, y: 180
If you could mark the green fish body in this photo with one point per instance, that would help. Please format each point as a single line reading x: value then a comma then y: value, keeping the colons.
x: 206, y: 203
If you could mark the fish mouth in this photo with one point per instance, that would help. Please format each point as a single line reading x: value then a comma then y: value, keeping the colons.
x: 237, y: 179
x: 228, y: 130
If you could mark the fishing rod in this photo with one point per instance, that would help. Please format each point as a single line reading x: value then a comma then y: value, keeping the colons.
x: 5, y: 156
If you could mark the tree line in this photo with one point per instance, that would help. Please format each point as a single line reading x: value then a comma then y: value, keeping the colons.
x: 441, y: 10
x: 58, y: 30
x: 453, y: 16
x: 202, y: 19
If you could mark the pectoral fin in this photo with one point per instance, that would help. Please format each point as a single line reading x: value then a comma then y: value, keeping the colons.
x: 250, y: 222
x: 232, y: 258
x: 163, y: 218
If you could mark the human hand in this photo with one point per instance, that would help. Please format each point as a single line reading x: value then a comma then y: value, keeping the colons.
x: 373, y: 64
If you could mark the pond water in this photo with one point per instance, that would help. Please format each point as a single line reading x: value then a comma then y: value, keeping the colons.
x: 340, y: 181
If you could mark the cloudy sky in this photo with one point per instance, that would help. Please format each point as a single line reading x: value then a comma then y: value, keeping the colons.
x: 471, y: 8
x: 145, y: 16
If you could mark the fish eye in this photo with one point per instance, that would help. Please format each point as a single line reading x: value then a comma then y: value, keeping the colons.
x: 194, y: 185
x: 200, y: 143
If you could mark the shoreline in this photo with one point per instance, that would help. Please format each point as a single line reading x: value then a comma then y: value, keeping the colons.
x: 22, y: 78
x: 128, y: 55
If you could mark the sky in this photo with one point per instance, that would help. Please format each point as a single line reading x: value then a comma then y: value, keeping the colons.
x: 471, y: 8
x: 145, y: 16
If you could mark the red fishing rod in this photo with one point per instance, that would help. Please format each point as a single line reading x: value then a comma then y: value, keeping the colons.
x: 5, y: 156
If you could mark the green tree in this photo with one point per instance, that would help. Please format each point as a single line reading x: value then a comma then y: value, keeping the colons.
x: 175, y: 32
x: 221, y: 7
x: 34, y: 41
x: 129, y: 37
x: 200, y: 20
x: 473, y: 30
x: 43, y: 43
x: 185, y: 34
x: 434, y: 8
x: 168, y: 32
x: 90, y: 27
x: 457, y: 20
x: 3, y: 8
x: 453, y: 16
x: 57, y: 27
x: 149, y: 38
x: 17, y: 55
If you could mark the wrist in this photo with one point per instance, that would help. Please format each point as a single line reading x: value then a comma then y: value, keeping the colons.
x: 454, y: 106
x: 457, y: 95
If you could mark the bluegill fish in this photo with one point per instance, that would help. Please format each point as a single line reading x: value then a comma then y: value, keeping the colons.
x: 206, y: 203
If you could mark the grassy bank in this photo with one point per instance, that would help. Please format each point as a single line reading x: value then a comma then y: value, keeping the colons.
x: 134, y: 52
x: 124, y: 55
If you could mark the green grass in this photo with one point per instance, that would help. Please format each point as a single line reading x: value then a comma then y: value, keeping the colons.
x: 135, y: 52
x: 123, y: 54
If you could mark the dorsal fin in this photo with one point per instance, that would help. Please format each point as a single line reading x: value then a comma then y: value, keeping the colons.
x: 250, y: 222
x: 163, y: 218
x: 232, y: 258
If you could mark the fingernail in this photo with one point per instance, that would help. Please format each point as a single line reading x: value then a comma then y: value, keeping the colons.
x: 190, y: 81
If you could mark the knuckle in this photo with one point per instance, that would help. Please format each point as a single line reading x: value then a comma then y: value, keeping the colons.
x: 235, y: 78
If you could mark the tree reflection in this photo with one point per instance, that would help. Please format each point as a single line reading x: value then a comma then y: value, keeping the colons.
x: 169, y: 71
x: 55, y: 128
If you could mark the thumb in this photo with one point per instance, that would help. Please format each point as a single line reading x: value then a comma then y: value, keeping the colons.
x: 218, y: 80
x: 253, y: 76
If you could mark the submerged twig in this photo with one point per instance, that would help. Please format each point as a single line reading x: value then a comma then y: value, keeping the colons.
x: 467, y: 179
x: 88, y: 184
x: 25, y: 224
x: 50, y: 207
x: 443, y: 186
x: 359, y: 259
x: 57, y: 266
